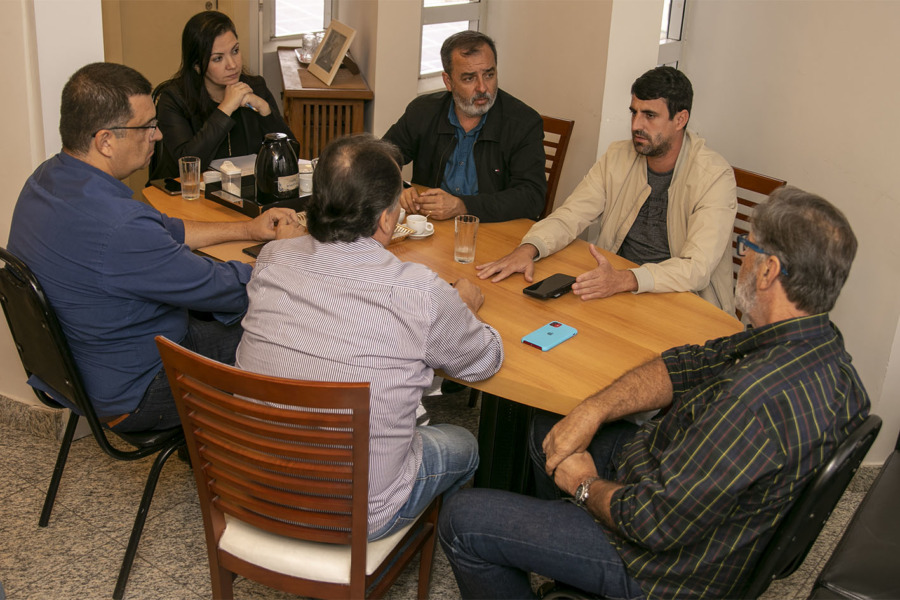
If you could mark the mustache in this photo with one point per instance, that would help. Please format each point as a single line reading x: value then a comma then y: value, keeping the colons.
x: 640, y: 133
x: 481, y: 96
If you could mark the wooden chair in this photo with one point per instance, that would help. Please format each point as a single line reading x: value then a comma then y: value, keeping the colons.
x: 557, y: 133
x: 44, y: 352
x: 753, y: 188
x: 282, y: 472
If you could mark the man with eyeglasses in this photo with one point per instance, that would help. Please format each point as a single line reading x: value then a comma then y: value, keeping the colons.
x: 116, y: 271
x: 683, y: 505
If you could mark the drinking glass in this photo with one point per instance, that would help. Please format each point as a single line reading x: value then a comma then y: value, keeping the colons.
x: 464, y: 244
x: 189, y: 171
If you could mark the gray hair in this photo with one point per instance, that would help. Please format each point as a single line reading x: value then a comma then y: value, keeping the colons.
x: 814, y: 242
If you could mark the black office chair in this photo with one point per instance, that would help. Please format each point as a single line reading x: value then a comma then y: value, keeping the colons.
x: 45, y: 353
x: 798, y: 531
x: 789, y: 545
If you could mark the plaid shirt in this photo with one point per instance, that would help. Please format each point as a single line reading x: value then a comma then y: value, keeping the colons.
x: 753, y: 417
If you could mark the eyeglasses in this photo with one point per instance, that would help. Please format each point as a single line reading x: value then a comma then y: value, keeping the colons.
x: 152, y: 127
x: 743, y: 243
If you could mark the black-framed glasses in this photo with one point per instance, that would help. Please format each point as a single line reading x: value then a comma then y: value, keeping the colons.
x: 152, y: 127
x: 743, y: 243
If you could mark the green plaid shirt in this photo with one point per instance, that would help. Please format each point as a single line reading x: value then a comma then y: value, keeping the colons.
x: 753, y: 417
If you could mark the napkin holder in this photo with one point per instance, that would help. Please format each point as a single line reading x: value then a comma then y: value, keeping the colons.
x: 246, y: 203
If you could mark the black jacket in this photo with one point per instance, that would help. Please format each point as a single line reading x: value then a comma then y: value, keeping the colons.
x: 509, y: 154
x: 185, y: 134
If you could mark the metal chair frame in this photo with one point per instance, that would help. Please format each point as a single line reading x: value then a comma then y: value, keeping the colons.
x: 44, y: 352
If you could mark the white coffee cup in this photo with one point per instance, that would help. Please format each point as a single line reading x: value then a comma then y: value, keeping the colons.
x: 419, y: 224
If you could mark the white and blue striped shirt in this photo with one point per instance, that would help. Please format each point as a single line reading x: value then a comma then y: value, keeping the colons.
x: 353, y: 312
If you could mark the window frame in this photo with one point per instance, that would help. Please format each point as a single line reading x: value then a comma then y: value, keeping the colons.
x: 473, y: 12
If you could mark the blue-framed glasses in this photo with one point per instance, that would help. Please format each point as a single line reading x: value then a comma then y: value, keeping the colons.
x: 743, y: 243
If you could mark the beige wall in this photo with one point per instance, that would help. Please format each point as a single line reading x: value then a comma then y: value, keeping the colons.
x: 807, y: 91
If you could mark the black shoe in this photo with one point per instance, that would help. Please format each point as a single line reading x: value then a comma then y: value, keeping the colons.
x: 448, y: 386
x: 184, y: 455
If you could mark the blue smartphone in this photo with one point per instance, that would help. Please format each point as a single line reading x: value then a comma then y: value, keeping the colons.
x: 549, y: 336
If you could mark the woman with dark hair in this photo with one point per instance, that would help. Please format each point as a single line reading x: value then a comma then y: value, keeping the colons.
x: 211, y: 108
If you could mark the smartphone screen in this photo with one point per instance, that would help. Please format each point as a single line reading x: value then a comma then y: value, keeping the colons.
x: 551, y: 287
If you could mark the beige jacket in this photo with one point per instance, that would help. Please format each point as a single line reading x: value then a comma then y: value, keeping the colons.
x: 702, y: 205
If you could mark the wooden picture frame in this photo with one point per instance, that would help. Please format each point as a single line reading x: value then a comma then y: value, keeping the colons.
x: 330, y: 53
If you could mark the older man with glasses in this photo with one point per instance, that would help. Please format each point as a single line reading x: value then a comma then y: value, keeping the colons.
x: 683, y: 505
x: 117, y: 272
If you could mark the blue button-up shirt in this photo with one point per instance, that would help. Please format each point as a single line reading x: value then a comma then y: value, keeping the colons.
x: 117, y: 273
x: 460, y: 177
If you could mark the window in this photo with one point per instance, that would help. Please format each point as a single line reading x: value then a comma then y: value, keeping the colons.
x: 288, y: 18
x: 440, y: 20
x: 670, y: 32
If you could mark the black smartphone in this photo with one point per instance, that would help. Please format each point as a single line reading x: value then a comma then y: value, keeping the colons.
x: 254, y: 250
x: 170, y: 186
x: 552, y: 287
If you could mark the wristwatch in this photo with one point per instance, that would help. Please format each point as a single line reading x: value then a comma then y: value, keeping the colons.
x: 583, y: 490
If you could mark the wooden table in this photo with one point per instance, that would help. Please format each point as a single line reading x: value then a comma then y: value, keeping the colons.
x: 318, y: 113
x: 614, y: 334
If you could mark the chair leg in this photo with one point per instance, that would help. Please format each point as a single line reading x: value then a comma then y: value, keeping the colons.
x: 141, y: 517
x: 58, y: 469
x: 426, y: 557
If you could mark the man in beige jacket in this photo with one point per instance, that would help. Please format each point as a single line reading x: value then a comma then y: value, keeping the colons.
x: 663, y: 199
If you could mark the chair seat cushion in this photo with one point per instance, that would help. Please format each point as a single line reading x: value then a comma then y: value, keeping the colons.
x: 298, y: 558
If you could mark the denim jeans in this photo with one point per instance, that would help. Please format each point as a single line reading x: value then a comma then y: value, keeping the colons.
x: 157, y: 409
x: 493, y: 539
x: 449, y: 460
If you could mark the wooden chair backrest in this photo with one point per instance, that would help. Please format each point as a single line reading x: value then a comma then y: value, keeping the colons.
x: 557, y: 133
x: 286, y: 456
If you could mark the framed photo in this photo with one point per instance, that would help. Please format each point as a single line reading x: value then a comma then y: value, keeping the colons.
x: 330, y: 53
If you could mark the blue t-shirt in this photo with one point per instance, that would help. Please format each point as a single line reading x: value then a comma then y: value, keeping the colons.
x: 117, y: 273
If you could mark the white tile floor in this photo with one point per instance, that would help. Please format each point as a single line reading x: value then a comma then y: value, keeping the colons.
x: 79, y: 553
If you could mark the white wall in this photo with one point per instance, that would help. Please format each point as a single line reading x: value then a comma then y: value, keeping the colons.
x: 43, y: 43
x: 807, y: 91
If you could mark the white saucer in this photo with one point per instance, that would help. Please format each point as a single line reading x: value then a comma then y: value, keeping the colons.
x: 421, y: 236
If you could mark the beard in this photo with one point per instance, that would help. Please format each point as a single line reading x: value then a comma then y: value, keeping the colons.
x: 468, y: 106
x: 649, y: 147
x: 745, y: 291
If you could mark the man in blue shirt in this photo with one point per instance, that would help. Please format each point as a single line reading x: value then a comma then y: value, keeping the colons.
x: 479, y: 149
x: 118, y: 272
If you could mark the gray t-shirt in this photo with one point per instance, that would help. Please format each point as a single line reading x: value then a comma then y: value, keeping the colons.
x: 648, y: 239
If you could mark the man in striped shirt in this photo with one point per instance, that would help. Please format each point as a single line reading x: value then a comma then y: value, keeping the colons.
x: 336, y: 305
x: 683, y: 506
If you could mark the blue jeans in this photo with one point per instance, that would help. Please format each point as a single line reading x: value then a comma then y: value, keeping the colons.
x: 493, y: 539
x: 449, y: 460
x: 157, y: 409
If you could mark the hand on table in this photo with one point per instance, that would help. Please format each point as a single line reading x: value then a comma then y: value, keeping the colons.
x: 604, y: 281
x: 469, y: 293
x: 275, y: 223
x: 520, y: 260
x: 439, y: 205
x: 573, y: 471
x: 409, y: 198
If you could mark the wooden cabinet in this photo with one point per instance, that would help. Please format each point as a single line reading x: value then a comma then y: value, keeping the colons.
x: 318, y: 113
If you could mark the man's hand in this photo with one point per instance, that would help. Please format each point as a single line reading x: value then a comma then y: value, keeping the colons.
x: 604, y: 281
x: 520, y: 260
x: 439, y: 205
x: 573, y: 471
x: 470, y: 294
x: 265, y: 227
x: 409, y: 200
x: 571, y: 435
